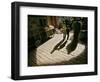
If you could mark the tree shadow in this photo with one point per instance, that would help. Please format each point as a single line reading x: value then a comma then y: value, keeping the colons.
x: 82, y: 58
x: 32, y: 60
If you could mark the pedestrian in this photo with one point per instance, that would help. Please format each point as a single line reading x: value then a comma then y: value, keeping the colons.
x: 76, y: 26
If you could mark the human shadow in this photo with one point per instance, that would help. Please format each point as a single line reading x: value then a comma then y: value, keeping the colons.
x: 56, y: 47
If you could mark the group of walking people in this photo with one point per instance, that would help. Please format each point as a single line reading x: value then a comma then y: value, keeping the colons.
x: 75, y: 26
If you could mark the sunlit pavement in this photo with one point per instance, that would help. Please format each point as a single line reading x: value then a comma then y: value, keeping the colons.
x: 44, y: 57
